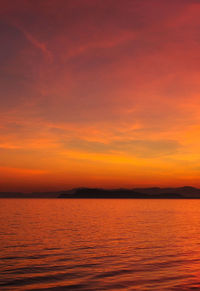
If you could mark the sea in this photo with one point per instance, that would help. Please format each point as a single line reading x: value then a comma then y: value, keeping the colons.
x: 94, y: 244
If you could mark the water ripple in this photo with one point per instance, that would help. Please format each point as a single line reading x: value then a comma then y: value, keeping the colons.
x: 100, y: 245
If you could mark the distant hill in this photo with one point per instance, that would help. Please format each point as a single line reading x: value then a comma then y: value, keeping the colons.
x: 185, y: 192
x: 93, y: 193
x: 42, y: 195
x: 136, y: 193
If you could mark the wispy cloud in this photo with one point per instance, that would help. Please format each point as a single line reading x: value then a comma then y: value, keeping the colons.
x: 100, y: 88
x: 34, y: 41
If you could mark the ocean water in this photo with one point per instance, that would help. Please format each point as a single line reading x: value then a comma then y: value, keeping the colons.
x: 52, y: 244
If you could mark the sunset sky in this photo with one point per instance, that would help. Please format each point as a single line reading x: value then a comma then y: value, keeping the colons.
x: 102, y: 93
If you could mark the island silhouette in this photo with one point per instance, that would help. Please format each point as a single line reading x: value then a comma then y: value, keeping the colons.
x: 186, y: 192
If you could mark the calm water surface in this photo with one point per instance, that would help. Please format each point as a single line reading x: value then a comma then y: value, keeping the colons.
x: 99, y: 244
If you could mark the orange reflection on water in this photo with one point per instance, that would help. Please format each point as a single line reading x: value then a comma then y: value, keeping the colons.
x: 94, y: 244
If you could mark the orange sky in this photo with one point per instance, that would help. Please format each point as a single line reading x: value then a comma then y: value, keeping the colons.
x: 99, y: 93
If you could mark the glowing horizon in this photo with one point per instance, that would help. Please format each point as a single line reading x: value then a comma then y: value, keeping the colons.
x: 99, y: 94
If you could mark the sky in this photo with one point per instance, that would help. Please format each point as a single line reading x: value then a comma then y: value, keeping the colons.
x: 99, y: 93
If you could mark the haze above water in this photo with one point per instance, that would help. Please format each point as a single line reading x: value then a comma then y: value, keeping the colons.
x: 99, y: 244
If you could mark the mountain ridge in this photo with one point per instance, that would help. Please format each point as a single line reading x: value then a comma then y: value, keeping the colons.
x: 185, y: 192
